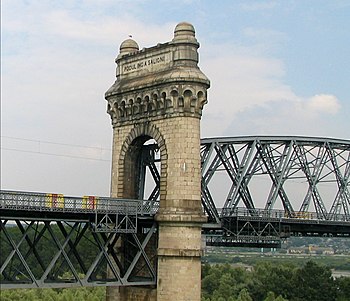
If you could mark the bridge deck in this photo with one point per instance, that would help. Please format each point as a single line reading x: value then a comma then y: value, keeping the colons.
x: 101, y: 222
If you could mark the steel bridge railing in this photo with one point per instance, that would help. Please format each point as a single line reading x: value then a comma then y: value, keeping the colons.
x: 50, y: 202
x: 279, y: 214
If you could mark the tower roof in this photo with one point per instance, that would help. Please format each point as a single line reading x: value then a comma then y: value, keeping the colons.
x: 128, y: 46
x: 184, y: 28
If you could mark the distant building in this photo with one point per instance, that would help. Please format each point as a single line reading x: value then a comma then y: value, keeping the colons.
x: 311, y: 249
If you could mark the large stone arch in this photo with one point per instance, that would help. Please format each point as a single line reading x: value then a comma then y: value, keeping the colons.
x: 129, y: 155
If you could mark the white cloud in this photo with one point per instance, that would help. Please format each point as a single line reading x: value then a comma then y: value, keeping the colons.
x: 87, y: 21
x: 324, y: 103
x: 241, y: 81
x: 108, y: 30
x: 248, y: 95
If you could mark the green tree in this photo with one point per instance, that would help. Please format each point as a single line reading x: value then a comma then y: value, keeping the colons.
x: 244, y: 295
x: 210, y: 282
x: 280, y: 298
x: 225, y: 288
x: 343, y: 288
x: 223, y: 281
x: 75, y: 294
x: 268, y: 277
x: 314, y: 282
x: 271, y: 297
x: 205, y: 270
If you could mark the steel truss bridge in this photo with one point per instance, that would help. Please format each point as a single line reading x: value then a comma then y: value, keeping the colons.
x: 256, y: 191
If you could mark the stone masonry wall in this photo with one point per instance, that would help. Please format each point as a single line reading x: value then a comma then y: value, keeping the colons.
x: 179, y: 247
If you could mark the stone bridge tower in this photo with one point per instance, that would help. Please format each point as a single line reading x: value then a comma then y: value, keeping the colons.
x: 159, y: 94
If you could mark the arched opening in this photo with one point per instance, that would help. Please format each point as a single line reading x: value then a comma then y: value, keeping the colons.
x: 140, y: 179
x: 187, y: 99
x: 149, y: 180
x: 142, y: 169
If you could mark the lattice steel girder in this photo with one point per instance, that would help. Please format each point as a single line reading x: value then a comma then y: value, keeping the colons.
x: 207, y: 200
x: 312, y: 161
x: 278, y: 228
x: 304, y: 172
x: 287, y: 162
x: 277, y: 166
x: 343, y: 196
x: 232, y: 172
x: 76, y: 255
x: 243, y: 170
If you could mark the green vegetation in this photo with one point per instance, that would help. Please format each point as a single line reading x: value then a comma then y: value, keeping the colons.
x: 265, y: 282
x: 333, y: 262
x: 72, y: 294
x: 273, y: 282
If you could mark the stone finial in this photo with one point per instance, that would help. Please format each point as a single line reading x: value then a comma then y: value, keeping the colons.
x: 184, y: 32
x: 128, y: 46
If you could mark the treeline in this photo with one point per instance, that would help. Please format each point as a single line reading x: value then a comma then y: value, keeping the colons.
x: 273, y: 282
x: 265, y: 282
x: 227, y: 256
x: 48, y: 294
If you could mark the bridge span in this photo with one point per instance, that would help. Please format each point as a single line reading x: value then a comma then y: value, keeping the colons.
x: 229, y: 168
x: 287, y: 186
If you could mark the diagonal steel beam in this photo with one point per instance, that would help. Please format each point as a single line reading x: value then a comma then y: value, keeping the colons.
x: 266, y: 155
x: 15, y: 250
x: 141, y: 251
x: 103, y: 254
x: 342, y: 198
x: 243, y: 178
x: 59, y: 252
x: 232, y: 173
x: 32, y: 245
x: 280, y: 173
x: 312, y: 177
x: 74, y: 245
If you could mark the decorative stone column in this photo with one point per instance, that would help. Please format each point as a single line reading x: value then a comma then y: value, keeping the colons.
x: 159, y: 94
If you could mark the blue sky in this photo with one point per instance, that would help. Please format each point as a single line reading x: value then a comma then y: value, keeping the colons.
x: 276, y: 68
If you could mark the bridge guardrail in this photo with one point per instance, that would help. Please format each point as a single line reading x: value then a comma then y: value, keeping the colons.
x: 18, y: 200
x: 280, y: 214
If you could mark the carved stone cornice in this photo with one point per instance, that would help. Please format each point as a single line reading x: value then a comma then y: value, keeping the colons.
x: 176, y: 100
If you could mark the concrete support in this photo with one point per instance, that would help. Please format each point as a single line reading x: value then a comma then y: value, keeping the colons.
x: 180, y: 216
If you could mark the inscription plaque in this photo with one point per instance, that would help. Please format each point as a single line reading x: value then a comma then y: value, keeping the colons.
x: 148, y: 64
